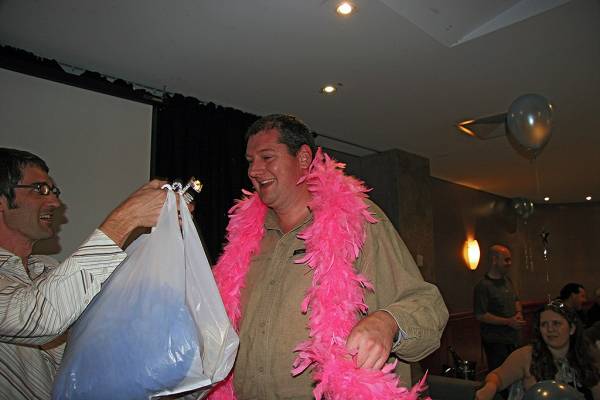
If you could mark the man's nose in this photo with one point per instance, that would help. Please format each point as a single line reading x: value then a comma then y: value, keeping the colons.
x: 255, y: 168
x: 53, y: 200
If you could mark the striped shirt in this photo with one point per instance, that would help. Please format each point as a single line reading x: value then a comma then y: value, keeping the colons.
x: 37, y: 308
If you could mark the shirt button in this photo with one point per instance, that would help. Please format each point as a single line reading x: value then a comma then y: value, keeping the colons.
x: 273, y: 281
x: 262, y: 324
x: 261, y: 369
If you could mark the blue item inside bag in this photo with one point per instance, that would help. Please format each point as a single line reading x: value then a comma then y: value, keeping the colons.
x: 140, y: 347
x: 140, y: 336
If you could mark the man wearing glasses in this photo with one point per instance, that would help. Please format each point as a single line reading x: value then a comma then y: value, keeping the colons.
x: 40, y: 299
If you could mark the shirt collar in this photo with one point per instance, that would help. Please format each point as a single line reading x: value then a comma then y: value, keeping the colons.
x: 5, y: 255
x: 502, y: 278
x: 271, y: 222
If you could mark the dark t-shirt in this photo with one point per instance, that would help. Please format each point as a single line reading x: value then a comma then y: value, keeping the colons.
x: 593, y: 314
x: 497, y: 297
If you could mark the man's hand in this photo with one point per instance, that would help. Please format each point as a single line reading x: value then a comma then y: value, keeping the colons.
x: 372, y: 339
x: 140, y: 209
x: 517, y: 321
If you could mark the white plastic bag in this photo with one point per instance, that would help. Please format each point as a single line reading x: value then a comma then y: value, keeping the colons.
x: 158, y: 326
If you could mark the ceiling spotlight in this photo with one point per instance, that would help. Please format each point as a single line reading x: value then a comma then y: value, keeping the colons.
x: 546, y: 198
x: 345, y: 8
x: 329, y: 89
x: 588, y: 198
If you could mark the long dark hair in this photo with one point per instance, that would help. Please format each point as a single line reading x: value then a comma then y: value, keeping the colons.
x: 579, y: 355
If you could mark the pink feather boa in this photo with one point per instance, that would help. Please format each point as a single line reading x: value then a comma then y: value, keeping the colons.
x: 336, y: 297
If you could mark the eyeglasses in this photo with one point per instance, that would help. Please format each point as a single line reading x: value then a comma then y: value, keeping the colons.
x: 41, y: 188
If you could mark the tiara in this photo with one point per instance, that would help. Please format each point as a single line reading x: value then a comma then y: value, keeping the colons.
x: 556, y: 303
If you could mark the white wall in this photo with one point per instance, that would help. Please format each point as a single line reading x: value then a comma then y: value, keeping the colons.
x: 97, y: 147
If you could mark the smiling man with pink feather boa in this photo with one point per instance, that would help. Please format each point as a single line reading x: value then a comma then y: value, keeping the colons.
x: 317, y: 282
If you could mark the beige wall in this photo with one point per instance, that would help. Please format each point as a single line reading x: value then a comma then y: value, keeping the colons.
x: 401, y: 187
x: 435, y: 217
x: 457, y: 213
x: 573, y: 241
x: 97, y: 147
x: 574, y: 244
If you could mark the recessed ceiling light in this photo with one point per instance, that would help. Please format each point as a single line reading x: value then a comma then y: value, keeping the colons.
x: 328, y: 89
x: 546, y: 198
x: 588, y: 198
x: 345, y: 8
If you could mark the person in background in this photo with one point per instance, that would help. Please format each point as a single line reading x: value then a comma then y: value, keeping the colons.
x: 573, y: 295
x: 593, y: 313
x: 593, y: 334
x: 40, y: 298
x: 559, y: 350
x: 497, y: 308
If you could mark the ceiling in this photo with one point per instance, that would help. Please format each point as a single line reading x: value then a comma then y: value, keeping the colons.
x: 408, y: 71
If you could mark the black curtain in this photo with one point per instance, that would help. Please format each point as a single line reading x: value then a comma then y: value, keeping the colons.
x: 190, y: 139
x: 24, y: 62
x: 205, y: 141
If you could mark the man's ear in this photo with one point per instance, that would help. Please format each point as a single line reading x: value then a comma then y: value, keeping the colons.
x: 305, y: 156
x: 573, y: 329
x: 3, y: 204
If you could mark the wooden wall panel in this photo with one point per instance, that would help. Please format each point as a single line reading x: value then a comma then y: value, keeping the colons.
x: 462, y: 333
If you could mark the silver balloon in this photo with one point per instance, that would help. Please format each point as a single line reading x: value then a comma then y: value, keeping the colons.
x: 529, y: 124
x: 546, y: 390
x: 522, y: 207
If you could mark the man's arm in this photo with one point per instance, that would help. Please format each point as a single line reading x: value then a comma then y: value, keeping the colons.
x: 482, y: 315
x: 37, y: 313
x: 519, y: 309
x: 402, y: 300
x: 140, y: 209
x: 515, y: 321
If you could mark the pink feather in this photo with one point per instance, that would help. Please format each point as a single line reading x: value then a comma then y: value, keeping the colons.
x: 336, y: 296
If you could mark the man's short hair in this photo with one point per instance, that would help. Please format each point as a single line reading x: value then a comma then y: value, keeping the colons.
x: 569, y: 289
x: 12, y: 163
x: 292, y: 131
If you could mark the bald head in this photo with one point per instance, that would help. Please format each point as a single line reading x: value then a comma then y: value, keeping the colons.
x: 500, y: 259
x: 498, y: 249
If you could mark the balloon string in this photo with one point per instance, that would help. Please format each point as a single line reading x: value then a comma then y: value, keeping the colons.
x: 537, y: 178
x: 537, y: 192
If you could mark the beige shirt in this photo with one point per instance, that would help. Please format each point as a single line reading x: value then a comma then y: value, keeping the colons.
x: 36, y: 308
x: 272, y: 323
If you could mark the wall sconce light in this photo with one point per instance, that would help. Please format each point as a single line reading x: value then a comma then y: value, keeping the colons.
x: 471, y: 254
